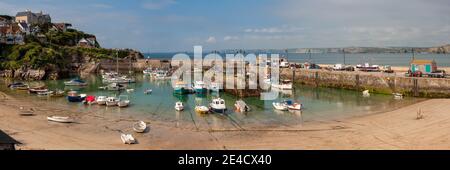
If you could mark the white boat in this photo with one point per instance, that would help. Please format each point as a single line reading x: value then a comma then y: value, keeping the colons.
x: 75, y: 82
x: 101, y: 100
x: 215, y: 87
x: 139, y: 126
x: 201, y: 109
x: 127, y: 139
x: 122, y: 79
x: 366, y: 93
x: 45, y: 93
x: 147, y: 71
x: 113, y: 87
x: 162, y: 75
x: 148, y: 91
x: 293, y: 105
x: 280, y: 106
x: 218, y: 105
x: 200, y: 87
x: 284, y: 85
x: 123, y: 101
x: 60, y: 119
x: 397, y: 95
x: 112, y: 101
x: 241, y: 106
x: 130, y: 90
x: 179, y: 106
x: 26, y: 112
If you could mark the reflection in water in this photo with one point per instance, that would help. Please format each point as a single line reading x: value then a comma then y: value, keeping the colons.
x: 320, y: 104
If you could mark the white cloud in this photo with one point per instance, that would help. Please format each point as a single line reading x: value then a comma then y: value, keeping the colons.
x: 272, y: 30
x: 157, y: 4
x: 230, y: 38
x: 211, y: 40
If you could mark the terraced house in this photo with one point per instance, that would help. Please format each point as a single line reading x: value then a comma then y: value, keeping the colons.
x: 33, y: 18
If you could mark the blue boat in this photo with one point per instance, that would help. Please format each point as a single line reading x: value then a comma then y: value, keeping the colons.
x: 75, y: 82
x: 73, y: 96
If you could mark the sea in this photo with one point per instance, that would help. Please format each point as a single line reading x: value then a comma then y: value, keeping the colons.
x: 392, y: 59
x: 320, y: 104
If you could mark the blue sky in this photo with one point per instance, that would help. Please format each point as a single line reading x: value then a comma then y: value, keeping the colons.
x: 178, y: 25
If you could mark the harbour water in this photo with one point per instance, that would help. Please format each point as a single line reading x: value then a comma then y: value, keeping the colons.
x: 393, y: 59
x: 321, y: 104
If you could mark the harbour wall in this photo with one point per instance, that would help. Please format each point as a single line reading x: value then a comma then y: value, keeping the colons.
x: 384, y: 83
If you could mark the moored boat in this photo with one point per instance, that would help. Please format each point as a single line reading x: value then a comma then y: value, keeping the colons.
x: 280, y: 106
x: 123, y: 101
x: 73, y: 96
x: 127, y: 139
x: 200, y: 87
x: 293, y: 105
x: 180, y: 88
x: 179, y: 106
x: 148, y: 91
x: 101, y: 100
x: 60, y: 119
x: 201, y: 109
x: 18, y: 86
x: 218, y: 105
x: 57, y: 93
x: 26, y: 112
x: 366, y: 93
x: 89, y: 100
x: 284, y: 85
x: 241, y: 106
x: 75, y: 82
x: 112, y: 101
x: 139, y: 127
x: 397, y: 95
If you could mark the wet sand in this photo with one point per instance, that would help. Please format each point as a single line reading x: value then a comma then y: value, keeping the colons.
x: 398, y: 129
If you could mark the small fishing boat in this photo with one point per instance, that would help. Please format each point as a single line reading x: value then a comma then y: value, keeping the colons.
x: 201, y: 109
x: 112, y: 101
x: 147, y: 71
x: 60, y: 119
x: 139, y: 127
x: 241, y: 106
x: 101, y: 100
x: 26, y: 112
x: 180, y: 88
x: 73, y: 96
x: 218, y: 105
x: 280, y: 106
x: 127, y: 139
x: 397, y: 95
x: 366, y: 93
x: 37, y: 90
x: 123, y: 101
x: 75, y: 82
x: 18, y: 86
x: 215, y: 87
x: 200, y: 87
x: 162, y: 75
x: 284, y: 85
x: 57, y: 93
x: 179, y: 106
x: 130, y: 90
x: 113, y: 87
x: 148, y: 91
x: 45, y: 93
x: 89, y: 100
x: 293, y: 105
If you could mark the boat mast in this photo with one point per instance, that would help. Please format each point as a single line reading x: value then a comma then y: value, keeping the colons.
x: 343, y: 51
x: 117, y: 62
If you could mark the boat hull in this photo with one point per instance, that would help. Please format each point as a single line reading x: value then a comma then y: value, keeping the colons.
x: 180, y: 91
x: 218, y: 110
x: 201, y: 90
x: 75, y: 98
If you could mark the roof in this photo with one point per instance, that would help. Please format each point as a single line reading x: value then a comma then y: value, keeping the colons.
x: 6, y: 139
x: 24, y: 13
x: 422, y: 61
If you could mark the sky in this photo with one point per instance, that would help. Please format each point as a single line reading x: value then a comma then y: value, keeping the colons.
x: 178, y: 25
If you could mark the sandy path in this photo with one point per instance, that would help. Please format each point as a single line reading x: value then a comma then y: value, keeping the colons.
x: 397, y: 129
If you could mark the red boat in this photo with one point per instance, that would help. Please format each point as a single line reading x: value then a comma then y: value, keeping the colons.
x: 89, y: 100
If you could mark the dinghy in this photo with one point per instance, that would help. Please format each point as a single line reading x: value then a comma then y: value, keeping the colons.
x: 280, y: 106
x: 397, y: 95
x: 112, y: 101
x: 148, y: 91
x: 139, y: 126
x: 89, y: 100
x: 201, y: 109
x: 130, y: 90
x: 127, y: 139
x: 123, y: 101
x: 101, y: 100
x: 179, y: 106
x: 60, y: 119
x: 241, y: 106
x: 26, y: 112
x: 57, y: 93
x: 293, y: 105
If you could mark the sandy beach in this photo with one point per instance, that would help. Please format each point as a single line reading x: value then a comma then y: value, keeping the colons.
x: 398, y: 129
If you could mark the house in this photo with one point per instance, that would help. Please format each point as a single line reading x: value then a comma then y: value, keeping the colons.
x: 88, y: 42
x: 61, y: 26
x: 32, y: 18
x: 5, y: 20
x: 11, y: 34
x: 7, y: 142
x: 424, y: 66
x: 24, y: 27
